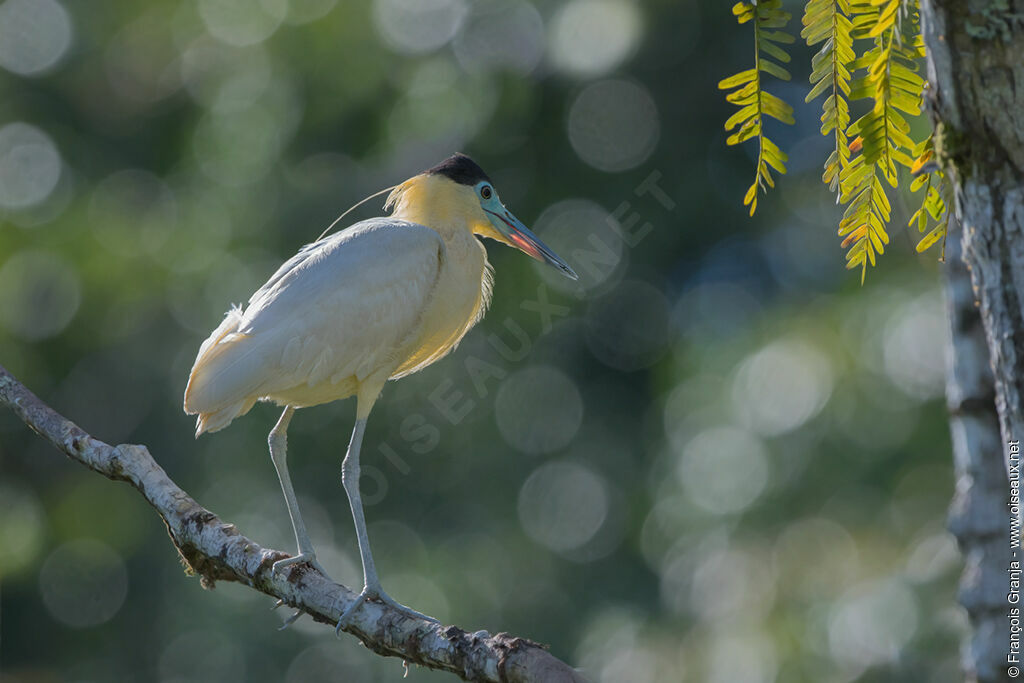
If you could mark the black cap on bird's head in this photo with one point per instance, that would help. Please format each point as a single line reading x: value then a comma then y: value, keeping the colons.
x: 460, y: 169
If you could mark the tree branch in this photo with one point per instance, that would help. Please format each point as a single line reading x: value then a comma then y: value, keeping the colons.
x: 216, y: 551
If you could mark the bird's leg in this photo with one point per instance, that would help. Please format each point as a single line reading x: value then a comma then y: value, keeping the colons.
x: 371, y: 584
x: 278, y: 441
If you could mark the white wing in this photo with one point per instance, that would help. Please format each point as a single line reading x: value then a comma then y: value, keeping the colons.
x: 340, y: 308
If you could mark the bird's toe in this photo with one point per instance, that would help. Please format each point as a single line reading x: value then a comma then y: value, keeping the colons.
x: 379, y: 595
x: 407, y: 611
x: 308, y: 558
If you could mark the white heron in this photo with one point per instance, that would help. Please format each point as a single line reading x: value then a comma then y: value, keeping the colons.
x: 380, y: 300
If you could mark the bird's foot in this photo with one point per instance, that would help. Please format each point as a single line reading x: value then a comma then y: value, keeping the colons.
x: 377, y: 594
x: 307, y: 557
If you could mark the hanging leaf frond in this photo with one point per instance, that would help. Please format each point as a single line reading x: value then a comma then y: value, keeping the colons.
x: 754, y: 101
x: 827, y: 21
x: 870, y: 51
x: 888, y: 77
x: 863, y: 223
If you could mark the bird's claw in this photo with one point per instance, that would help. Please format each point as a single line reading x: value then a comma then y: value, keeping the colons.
x: 308, y: 557
x: 380, y: 596
x: 290, y: 620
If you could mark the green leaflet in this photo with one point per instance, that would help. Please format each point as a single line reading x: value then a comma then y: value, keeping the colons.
x: 754, y: 101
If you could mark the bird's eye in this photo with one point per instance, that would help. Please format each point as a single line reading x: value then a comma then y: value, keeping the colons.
x: 485, y: 192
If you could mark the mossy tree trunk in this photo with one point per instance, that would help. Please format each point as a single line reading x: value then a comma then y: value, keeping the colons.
x: 976, y: 72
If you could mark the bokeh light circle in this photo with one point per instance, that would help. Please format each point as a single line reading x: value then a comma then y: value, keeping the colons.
x: 442, y: 106
x: 34, y: 35
x: 612, y: 633
x: 613, y: 125
x: 242, y: 22
x: 141, y: 60
x: 872, y: 622
x: 83, y: 583
x: 562, y: 505
x: 627, y: 329
x: 781, y: 387
x: 723, y: 470
x: 591, y: 37
x: 239, y: 148
x: 914, y: 347
x: 212, y: 73
x: 501, y: 35
x: 538, y: 409
x: 633, y: 664
x: 203, y: 656
x: 30, y: 165
x: 417, y: 26
x: 242, y: 90
x: 816, y: 554
x: 39, y: 294
x: 133, y: 209
x: 729, y: 583
x: 588, y: 238
x: 740, y: 656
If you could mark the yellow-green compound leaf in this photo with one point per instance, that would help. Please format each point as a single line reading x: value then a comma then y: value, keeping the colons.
x: 863, y: 223
x: 866, y: 151
x: 827, y: 22
x: 754, y: 102
x: 887, y: 75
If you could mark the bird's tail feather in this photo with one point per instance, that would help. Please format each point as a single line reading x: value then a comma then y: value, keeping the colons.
x: 219, y: 419
x: 221, y: 384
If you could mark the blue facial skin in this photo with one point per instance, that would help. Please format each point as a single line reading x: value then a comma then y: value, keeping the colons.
x: 517, y: 233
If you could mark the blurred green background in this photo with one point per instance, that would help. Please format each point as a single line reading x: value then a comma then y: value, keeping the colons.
x: 718, y: 458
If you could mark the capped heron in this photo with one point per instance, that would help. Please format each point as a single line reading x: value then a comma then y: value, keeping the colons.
x: 377, y: 301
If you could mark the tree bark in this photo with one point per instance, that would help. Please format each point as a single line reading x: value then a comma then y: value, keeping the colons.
x: 977, y: 516
x: 216, y: 551
x: 976, y: 70
x: 975, y: 59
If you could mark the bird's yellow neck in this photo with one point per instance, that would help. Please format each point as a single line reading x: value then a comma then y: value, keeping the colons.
x: 448, y: 208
